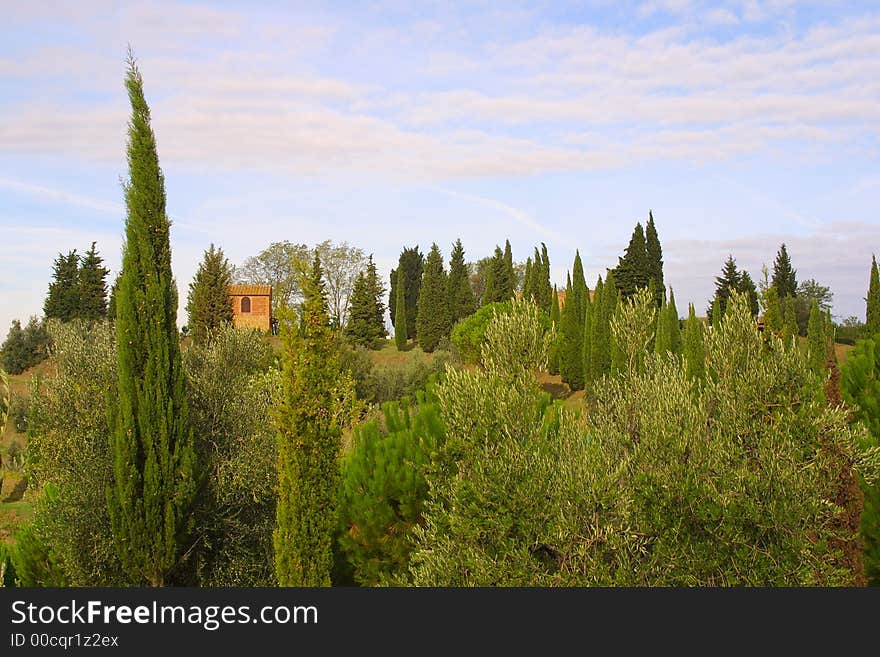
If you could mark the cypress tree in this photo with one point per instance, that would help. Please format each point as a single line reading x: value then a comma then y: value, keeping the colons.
x: 499, y: 285
x: 509, y: 273
x: 579, y: 285
x: 817, y: 350
x: 208, y: 303
x: 460, y: 293
x: 309, y: 443
x: 586, y: 341
x: 634, y: 269
x: 694, y: 348
x: 773, y: 319
x: 543, y: 288
x: 601, y: 346
x: 63, y: 301
x: 872, y: 306
x: 555, y: 317
x: 784, y: 276
x: 528, y: 291
x: 674, y: 325
x: 154, y: 461
x: 433, y: 318
x: 377, y: 294
x: 490, y: 294
x: 111, y: 302
x: 401, y: 311
x: 412, y: 262
x: 92, y: 286
x: 571, y: 328
x: 655, y: 259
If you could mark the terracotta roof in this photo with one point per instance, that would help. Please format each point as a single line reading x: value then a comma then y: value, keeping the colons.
x: 250, y: 290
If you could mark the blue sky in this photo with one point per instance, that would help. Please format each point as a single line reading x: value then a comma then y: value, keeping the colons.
x: 740, y: 123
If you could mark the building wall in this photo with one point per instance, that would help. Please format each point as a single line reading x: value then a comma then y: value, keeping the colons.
x: 258, y: 317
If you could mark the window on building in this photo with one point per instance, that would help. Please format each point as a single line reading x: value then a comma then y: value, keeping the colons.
x: 245, y: 304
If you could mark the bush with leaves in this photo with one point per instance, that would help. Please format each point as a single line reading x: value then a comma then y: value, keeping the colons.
x: 232, y: 389
x: 383, y: 486
x: 664, y: 483
x: 469, y: 334
x: 860, y: 385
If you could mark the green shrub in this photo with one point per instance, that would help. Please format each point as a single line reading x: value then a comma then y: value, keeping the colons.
x: 383, y: 486
x: 469, y: 333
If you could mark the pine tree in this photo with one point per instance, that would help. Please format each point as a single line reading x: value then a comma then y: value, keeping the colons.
x: 509, y: 273
x: 747, y: 286
x: 784, y: 277
x: 411, y: 262
x: 377, y: 294
x: 674, y: 325
x: 63, y: 300
x: 208, y: 304
x: 154, y: 461
x: 92, y: 286
x: 401, y: 311
x: 655, y: 259
x: 460, y: 293
x: 633, y: 271
x: 817, y: 349
x: 14, y: 353
x: 363, y: 327
x: 433, y: 321
x: 309, y: 443
x: 872, y: 306
x: 694, y: 347
x: 730, y: 279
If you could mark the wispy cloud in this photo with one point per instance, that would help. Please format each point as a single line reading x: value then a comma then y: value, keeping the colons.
x: 61, y: 196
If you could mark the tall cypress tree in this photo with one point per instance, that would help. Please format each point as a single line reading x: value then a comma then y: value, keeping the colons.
x: 208, y: 304
x: 872, y: 306
x: 459, y: 291
x: 433, y: 318
x: 655, y: 259
x: 555, y: 316
x: 543, y: 288
x: 784, y: 276
x: 662, y: 339
x: 634, y: 269
x: 401, y: 311
x: 528, y: 291
x: 694, y: 348
x: 789, y: 320
x: 377, y: 294
x: 411, y: 262
x: 571, y: 327
x: 601, y: 347
x: 154, y: 462
x: 747, y: 287
x: 509, y: 273
x: 92, y: 286
x: 309, y: 443
x: 63, y: 300
x: 498, y: 281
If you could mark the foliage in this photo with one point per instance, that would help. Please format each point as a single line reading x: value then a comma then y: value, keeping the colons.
x: 154, y: 466
x: 631, y: 329
x: 308, y: 444
x: 433, y: 318
x: 817, y: 347
x: 694, y: 346
x: 233, y: 389
x: 571, y: 328
x: 389, y: 383
x: 469, y: 335
x: 411, y: 262
x: 666, y: 484
x: 860, y: 385
x: 731, y: 279
x: 69, y: 453
x: 383, y: 486
x: 63, y: 300
x: 4, y: 399
x: 208, y: 305
x: 24, y: 348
